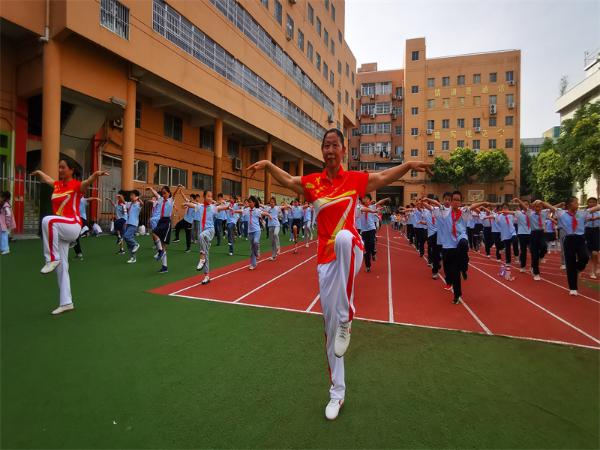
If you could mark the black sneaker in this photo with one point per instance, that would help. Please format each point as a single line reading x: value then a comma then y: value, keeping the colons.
x: 163, y: 269
x: 464, y: 275
x: 456, y: 301
x: 368, y: 269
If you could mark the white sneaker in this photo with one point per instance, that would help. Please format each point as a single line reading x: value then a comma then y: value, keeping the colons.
x: 131, y: 260
x: 434, y: 276
x: 537, y: 278
x: 80, y: 256
x: 342, y: 339
x: 50, y: 266
x: 332, y: 410
x: 593, y: 276
x: 6, y: 252
x: 200, y: 264
x: 573, y: 292
x: 563, y: 267
x: 306, y: 245
x: 62, y: 309
x: 522, y: 270
x: 135, y: 248
x: 230, y: 253
x: 542, y: 260
x: 206, y: 280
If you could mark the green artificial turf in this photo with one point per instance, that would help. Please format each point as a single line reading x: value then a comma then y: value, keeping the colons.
x: 129, y: 369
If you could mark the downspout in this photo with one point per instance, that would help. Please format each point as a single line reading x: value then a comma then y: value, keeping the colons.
x: 46, y: 36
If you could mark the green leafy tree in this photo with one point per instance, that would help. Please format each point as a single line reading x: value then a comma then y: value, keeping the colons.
x: 457, y: 170
x: 527, y: 179
x: 442, y: 171
x: 553, y: 178
x: 579, y: 142
x: 492, y: 166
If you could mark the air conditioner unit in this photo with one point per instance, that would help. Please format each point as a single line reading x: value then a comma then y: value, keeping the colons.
x: 237, y: 164
x: 511, y: 82
x: 492, y: 109
x: 430, y: 152
x: 477, y: 129
x: 511, y: 106
x: 330, y: 118
x: 398, y: 97
x: 429, y: 131
x: 117, y: 123
x: 373, y: 116
x: 372, y: 96
x: 393, y: 97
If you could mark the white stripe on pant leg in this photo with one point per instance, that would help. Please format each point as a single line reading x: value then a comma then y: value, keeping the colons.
x: 344, y: 245
x: 65, y: 233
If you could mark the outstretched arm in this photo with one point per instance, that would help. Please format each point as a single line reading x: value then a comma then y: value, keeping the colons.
x: 382, y: 201
x: 154, y: 193
x: 282, y: 177
x: 377, y: 180
x: 93, y: 177
x: 520, y: 203
x: 43, y: 177
x: 111, y: 201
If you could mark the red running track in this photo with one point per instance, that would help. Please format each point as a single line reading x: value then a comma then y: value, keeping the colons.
x: 400, y: 290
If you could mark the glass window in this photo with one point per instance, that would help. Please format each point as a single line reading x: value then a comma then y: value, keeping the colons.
x: 233, y: 149
x: 332, y: 81
x: 460, y: 80
x: 300, y: 40
x: 332, y: 46
x: 430, y: 124
x: 201, y: 181
x: 460, y: 123
x: 140, y: 170
x: 493, y: 100
x: 326, y: 37
x: 231, y: 188
x: 414, y: 89
x: 508, y: 120
x: 476, y: 122
x: 325, y: 70
x: 414, y: 110
x: 415, y: 55
x: 430, y: 82
x: 311, y: 14
x: 509, y: 75
x: 446, y: 123
x: 318, y: 61
x: 445, y: 145
x: 460, y: 143
x: 431, y: 103
x: 476, y: 144
x: 493, y: 77
x: 414, y: 131
x: 207, y: 139
x: 339, y: 67
x: 352, y: 78
x: 414, y: 152
x: 138, y: 114
x: 508, y: 143
x: 492, y: 122
x: 173, y: 127
x: 510, y: 100
x: 476, y: 78
x: 265, y: 3
x: 327, y: 5
x: 492, y: 143
x: 398, y: 130
x: 340, y: 37
x: 347, y: 69
x: 333, y: 12
x: 115, y: 16
x: 347, y: 97
x: 278, y: 13
x: 289, y: 27
x: 445, y: 81
x: 318, y: 26
x: 399, y: 91
x: 309, y: 51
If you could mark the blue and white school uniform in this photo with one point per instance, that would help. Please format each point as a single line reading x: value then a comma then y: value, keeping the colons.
x: 254, y: 215
x: 133, y: 222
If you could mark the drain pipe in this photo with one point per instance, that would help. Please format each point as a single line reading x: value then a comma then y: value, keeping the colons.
x: 46, y: 36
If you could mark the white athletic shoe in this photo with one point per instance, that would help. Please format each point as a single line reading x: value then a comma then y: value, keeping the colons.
x: 332, y: 410
x: 542, y: 260
x: 135, y: 248
x: 230, y: 253
x: 593, y: 276
x: 489, y: 256
x: 342, y: 339
x: 6, y: 252
x: 522, y: 270
x: 131, y: 260
x: 573, y: 292
x: 251, y: 267
x: 206, y: 280
x: 536, y: 278
x: 306, y: 245
x: 200, y: 264
x: 62, y: 309
x: 50, y: 266
x: 434, y: 276
x: 563, y: 267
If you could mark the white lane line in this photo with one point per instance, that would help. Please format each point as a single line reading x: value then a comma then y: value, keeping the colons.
x: 547, y: 311
x: 313, y: 303
x: 273, y: 279
x: 564, y: 288
x: 266, y: 258
x: 391, y: 304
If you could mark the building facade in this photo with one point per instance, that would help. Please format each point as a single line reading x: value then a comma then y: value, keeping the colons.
x: 171, y: 92
x: 431, y: 107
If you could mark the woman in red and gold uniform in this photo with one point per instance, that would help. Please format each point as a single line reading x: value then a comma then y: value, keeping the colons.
x: 64, y: 226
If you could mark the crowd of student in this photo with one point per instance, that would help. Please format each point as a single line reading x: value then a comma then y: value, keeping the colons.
x: 450, y: 230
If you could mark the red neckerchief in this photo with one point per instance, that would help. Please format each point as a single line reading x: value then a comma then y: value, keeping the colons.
x: 204, y: 215
x: 574, y: 220
x: 454, y: 220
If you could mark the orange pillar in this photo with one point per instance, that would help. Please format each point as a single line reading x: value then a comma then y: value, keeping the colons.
x: 218, y: 158
x: 51, y: 109
x: 269, y: 157
x: 128, y: 147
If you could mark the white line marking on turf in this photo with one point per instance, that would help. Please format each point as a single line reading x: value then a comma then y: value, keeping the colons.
x: 569, y: 324
x: 266, y: 258
x: 562, y: 287
x: 266, y: 283
x: 391, y: 304
x: 313, y: 303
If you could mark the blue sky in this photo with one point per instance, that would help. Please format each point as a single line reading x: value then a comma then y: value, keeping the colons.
x: 552, y: 36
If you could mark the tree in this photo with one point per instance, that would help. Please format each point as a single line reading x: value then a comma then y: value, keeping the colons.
x: 492, y: 166
x: 552, y: 176
x: 442, y: 171
x: 527, y: 180
x: 579, y: 142
x: 459, y: 169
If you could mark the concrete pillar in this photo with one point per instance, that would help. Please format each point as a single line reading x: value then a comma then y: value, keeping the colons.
x: 269, y: 157
x: 218, y: 157
x: 128, y: 147
x: 51, y: 109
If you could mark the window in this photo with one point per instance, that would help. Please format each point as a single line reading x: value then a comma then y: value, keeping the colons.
x: 207, y: 139
x: 333, y: 12
x: 476, y: 78
x: 375, y: 128
x: 446, y: 123
x: 414, y: 89
x: 332, y: 46
x: 476, y: 122
x: 446, y: 103
x: 254, y: 155
x: 138, y: 114
x: 460, y: 123
x: 347, y: 69
x: 278, y: 13
x: 430, y: 146
x: 431, y: 103
x: 327, y: 5
x: 415, y: 55
x: 115, y: 16
x: 173, y: 127
x: 460, y: 80
x: 300, y: 40
x: 202, y: 182
x: 398, y: 130
x: 492, y: 122
x: 414, y: 110
x: 414, y: 152
x: 140, y: 170
x: 233, y: 148
x: 347, y: 97
x: 414, y: 131
x: 445, y: 145
x: 399, y: 92
x: 325, y: 70
x: 477, y: 101
x: 339, y: 67
x: 493, y: 99
x: 508, y: 143
x: 354, y: 152
x: 509, y: 75
x: 493, y: 77
x: 430, y: 82
x: 309, y: 51
x: 383, y: 108
x: 445, y: 81
x: 318, y: 63
x: 170, y: 176
x: 476, y: 144
x: 311, y: 15
x: 265, y: 3
x: 508, y: 120
x: 332, y: 81
x: 318, y: 26
x: 492, y: 143
x: 289, y: 27
x: 355, y: 132
x: 413, y: 174
x: 461, y: 101
x: 326, y: 37
x: 460, y: 143
x: 352, y: 78
x: 340, y: 37
x: 510, y: 100
x: 431, y: 124
x: 231, y: 188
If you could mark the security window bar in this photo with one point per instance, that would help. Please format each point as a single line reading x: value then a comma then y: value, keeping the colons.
x: 115, y: 16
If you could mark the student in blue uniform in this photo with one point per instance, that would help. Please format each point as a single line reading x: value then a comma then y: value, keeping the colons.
x: 220, y: 220
x: 285, y: 214
x: 134, y: 206
x: 572, y: 221
x: 523, y: 219
x: 592, y: 235
x: 274, y: 227
x: 120, y: 220
x: 186, y: 223
x: 254, y: 215
x: 506, y: 224
x: 84, y: 222
x: 420, y: 228
x: 297, y: 214
x: 537, y: 218
x: 368, y: 228
x: 231, y: 223
x: 163, y: 227
x: 488, y: 238
x: 307, y: 223
x: 433, y: 249
x: 153, y: 220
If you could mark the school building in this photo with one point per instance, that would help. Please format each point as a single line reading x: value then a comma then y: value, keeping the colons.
x: 431, y: 107
x: 168, y: 92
